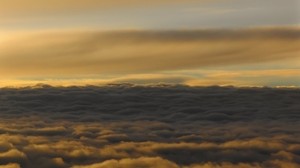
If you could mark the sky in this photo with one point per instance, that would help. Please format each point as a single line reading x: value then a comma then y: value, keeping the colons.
x: 191, y: 42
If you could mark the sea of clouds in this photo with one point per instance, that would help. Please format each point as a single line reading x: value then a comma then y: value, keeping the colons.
x: 162, y: 126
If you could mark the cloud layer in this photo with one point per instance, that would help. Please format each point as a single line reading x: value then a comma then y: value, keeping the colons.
x: 155, y: 126
x: 125, y: 52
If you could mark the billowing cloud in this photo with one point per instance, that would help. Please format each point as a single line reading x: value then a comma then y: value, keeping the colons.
x: 130, y: 163
x: 149, y: 126
x: 11, y: 165
x: 125, y: 52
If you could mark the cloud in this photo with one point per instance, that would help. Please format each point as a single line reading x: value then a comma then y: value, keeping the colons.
x: 130, y: 52
x: 131, y: 163
x: 271, y: 77
x: 255, y: 77
x: 149, y: 126
x: 11, y: 165
x: 34, y: 7
x: 12, y: 156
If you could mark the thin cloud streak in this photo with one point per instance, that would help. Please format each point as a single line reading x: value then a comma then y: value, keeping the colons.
x: 259, y: 78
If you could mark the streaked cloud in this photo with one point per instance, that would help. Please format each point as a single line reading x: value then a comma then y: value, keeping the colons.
x: 132, y: 52
x: 273, y: 78
x: 167, y: 14
x: 15, y: 7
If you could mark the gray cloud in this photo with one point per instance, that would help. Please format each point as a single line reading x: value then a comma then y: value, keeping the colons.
x: 149, y: 126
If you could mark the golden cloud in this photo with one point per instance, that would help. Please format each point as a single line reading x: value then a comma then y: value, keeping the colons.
x: 125, y: 52
x: 145, y: 162
x: 10, y: 165
x: 35, y: 7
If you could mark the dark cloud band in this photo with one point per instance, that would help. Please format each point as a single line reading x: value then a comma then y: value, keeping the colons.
x: 155, y: 126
